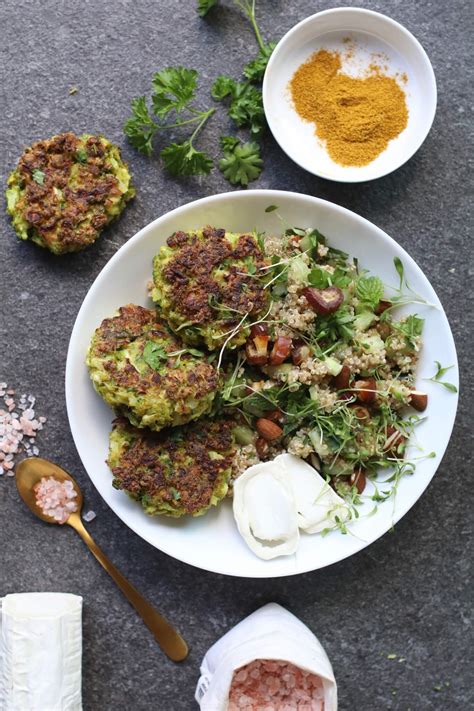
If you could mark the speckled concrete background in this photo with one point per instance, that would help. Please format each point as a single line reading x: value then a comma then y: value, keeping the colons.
x: 409, y: 593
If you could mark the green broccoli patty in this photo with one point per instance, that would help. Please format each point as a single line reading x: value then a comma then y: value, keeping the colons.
x: 146, y: 374
x: 181, y: 471
x: 206, y: 281
x: 66, y: 189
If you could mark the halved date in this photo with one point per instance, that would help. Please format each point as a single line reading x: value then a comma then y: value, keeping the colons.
x: 324, y: 301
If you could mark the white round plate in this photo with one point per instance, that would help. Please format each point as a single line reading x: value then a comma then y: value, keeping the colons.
x: 372, y: 34
x: 212, y: 541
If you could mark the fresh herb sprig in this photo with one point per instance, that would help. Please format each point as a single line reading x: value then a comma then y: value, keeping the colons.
x: 244, y: 97
x: 241, y: 162
x: 436, y: 378
x: 172, y: 107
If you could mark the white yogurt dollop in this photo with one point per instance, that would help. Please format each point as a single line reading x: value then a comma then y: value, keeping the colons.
x: 272, y: 500
x: 265, y: 511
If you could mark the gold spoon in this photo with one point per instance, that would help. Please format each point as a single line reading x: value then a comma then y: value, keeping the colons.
x: 28, y: 473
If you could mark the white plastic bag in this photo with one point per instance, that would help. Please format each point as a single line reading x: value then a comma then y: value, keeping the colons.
x: 269, y: 633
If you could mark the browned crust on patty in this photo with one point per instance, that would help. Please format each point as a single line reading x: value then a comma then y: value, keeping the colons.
x: 190, y: 276
x: 133, y: 322
x: 74, y: 220
x: 188, y: 467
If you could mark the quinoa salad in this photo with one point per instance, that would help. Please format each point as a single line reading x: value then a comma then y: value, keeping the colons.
x: 320, y: 366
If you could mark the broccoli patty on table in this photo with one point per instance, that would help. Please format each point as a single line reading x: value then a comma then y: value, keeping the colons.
x: 146, y: 374
x: 206, y: 281
x: 66, y: 189
x: 180, y: 471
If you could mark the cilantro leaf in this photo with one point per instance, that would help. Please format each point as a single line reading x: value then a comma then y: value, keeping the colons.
x: 370, y: 290
x: 173, y: 88
x: 154, y: 355
x: 140, y: 127
x: 241, y: 162
x: 204, y: 6
x: 271, y: 208
x: 255, y: 69
x: 184, y: 159
x: 38, y: 176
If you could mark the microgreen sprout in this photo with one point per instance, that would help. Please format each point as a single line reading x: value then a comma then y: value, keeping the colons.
x: 436, y: 378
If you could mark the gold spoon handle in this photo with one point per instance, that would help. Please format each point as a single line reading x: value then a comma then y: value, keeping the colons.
x: 170, y: 641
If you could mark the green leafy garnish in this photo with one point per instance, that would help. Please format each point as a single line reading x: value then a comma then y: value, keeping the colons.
x: 319, y: 278
x: 38, y: 176
x: 184, y: 159
x: 81, y: 155
x: 411, y: 328
x: 246, y: 104
x: 436, y: 378
x: 204, y: 6
x: 140, y: 127
x: 255, y: 69
x: 271, y: 208
x: 154, y: 355
x: 370, y: 290
x: 241, y: 162
x: 399, y: 269
x: 173, y: 90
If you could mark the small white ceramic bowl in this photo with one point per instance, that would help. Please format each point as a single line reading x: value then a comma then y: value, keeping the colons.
x: 372, y: 34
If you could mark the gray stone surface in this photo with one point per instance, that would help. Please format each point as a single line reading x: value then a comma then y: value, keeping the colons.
x: 408, y: 593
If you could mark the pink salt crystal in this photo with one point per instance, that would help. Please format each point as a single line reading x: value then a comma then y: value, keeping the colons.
x: 56, y: 498
x: 274, y: 685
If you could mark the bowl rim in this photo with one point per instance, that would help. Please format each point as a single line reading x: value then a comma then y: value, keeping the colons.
x: 428, y: 71
x: 272, y: 196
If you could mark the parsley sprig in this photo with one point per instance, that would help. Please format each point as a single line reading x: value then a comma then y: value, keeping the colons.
x: 173, y: 91
x: 171, y: 106
x: 241, y: 162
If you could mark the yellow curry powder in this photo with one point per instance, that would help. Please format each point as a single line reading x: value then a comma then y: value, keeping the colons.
x: 355, y: 117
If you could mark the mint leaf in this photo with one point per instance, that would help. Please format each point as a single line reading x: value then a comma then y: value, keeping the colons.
x: 370, y: 290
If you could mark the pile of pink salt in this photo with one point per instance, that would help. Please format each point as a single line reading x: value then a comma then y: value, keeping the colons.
x: 272, y: 685
x: 56, y: 498
x: 19, y: 426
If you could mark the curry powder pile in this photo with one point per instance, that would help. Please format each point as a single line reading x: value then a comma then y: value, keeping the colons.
x: 355, y: 117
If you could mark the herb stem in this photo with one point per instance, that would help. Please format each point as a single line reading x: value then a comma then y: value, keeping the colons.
x: 205, y: 117
x: 249, y: 9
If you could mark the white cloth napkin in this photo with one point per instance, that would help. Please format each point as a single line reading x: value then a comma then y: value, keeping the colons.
x: 40, y: 652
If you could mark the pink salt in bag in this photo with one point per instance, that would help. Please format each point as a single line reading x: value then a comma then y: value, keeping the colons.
x: 270, y: 660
